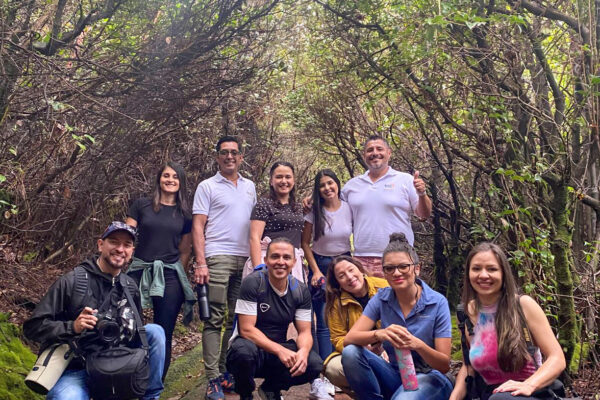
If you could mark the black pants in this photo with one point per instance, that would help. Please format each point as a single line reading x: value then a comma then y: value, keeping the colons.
x: 247, y: 361
x: 485, y: 392
x: 166, y: 309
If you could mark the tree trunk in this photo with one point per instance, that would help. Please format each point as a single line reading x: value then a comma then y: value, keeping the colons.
x: 440, y: 267
x: 561, y: 238
x: 7, y: 84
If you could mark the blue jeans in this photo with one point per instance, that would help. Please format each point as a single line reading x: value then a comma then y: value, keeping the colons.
x: 73, y: 384
x: 323, y: 338
x: 371, y: 377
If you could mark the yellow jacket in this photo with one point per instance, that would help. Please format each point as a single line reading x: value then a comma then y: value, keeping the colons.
x: 345, y: 312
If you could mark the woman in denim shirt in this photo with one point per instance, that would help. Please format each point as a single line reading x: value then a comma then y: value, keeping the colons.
x: 413, y: 316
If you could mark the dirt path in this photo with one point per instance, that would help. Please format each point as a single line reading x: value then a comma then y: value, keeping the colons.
x: 295, y: 393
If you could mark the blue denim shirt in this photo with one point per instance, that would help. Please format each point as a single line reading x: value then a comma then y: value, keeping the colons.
x: 428, y: 320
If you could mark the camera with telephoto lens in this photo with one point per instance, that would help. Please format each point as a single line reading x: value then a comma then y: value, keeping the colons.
x: 108, y: 328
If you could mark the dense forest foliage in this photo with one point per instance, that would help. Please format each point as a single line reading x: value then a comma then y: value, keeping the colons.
x: 495, y: 102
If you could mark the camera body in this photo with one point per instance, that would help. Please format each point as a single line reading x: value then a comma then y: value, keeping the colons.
x: 109, y: 330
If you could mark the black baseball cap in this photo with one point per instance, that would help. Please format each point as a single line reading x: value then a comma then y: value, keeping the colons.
x: 119, y: 226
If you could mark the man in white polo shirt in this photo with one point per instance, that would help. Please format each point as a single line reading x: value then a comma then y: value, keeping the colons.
x: 220, y: 228
x: 382, y: 201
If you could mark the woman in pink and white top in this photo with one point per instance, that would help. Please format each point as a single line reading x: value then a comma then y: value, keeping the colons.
x: 502, y: 320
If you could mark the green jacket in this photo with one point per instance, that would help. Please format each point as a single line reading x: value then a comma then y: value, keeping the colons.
x: 153, y: 284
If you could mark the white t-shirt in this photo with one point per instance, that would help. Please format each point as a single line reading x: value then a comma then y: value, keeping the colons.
x: 336, y: 235
x: 380, y: 209
x: 228, y: 208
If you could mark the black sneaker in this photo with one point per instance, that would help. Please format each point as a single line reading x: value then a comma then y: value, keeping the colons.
x: 264, y: 395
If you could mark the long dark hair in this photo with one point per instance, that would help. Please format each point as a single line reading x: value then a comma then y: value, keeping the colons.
x: 512, y: 348
x: 318, y: 202
x: 181, y: 199
x: 333, y: 290
x: 272, y: 193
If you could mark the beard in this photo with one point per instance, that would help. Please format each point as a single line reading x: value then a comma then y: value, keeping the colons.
x: 115, y: 265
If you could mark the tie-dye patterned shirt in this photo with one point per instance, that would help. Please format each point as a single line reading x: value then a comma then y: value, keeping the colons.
x: 484, y: 351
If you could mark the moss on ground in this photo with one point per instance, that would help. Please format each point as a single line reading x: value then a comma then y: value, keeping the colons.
x: 185, y: 374
x: 456, y: 352
x: 579, y: 353
x: 15, y: 362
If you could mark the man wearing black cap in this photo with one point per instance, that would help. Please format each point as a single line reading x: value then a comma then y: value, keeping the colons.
x: 57, y: 319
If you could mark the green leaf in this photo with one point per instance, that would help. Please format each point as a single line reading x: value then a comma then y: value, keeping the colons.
x: 594, y: 79
x: 472, y: 25
x: 2, y: 178
x: 529, y: 288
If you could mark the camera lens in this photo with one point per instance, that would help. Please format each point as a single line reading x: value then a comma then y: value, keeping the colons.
x: 108, y: 331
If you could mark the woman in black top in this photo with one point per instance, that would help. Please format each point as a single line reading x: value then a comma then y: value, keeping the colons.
x: 163, y: 249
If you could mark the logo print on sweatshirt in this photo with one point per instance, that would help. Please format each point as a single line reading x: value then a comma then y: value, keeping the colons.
x: 264, y: 307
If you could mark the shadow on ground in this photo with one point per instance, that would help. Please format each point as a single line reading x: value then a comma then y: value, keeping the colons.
x: 186, y: 380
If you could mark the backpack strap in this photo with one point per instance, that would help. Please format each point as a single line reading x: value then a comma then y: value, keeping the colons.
x: 296, y: 289
x: 262, y: 286
x: 464, y: 320
x: 79, y: 293
x: 293, y: 286
x: 262, y: 290
x: 130, y: 286
x: 474, y: 382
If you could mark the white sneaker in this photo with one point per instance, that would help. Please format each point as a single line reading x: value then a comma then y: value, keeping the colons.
x: 329, y: 388
x: 318, y: 390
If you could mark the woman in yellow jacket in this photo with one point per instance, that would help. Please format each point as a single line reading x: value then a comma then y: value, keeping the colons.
x: 347, y: 294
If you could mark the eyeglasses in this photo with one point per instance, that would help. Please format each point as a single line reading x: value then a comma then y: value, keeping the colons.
x: 225, y: 152
x: 402, y: 268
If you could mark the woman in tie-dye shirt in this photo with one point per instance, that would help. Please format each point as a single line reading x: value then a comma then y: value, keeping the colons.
x: 498, y: 350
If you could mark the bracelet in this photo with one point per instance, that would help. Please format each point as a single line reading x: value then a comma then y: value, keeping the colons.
x: 424, y: 193
x: 196, y: 266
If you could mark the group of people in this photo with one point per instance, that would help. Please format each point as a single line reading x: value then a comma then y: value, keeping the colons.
x: 349, y: 313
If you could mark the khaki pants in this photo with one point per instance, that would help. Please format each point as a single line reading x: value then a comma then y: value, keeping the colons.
x: 335, y: 373
x: 223, y: 291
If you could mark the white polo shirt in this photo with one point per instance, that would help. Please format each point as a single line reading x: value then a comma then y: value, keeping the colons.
x: 228, y: 208
x: 380, y: 209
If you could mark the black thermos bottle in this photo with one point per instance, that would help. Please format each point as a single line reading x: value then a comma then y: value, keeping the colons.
x: 203, y: 305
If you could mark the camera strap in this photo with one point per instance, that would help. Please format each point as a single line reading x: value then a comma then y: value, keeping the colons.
x: 79, y: 342
x: 138, y: 320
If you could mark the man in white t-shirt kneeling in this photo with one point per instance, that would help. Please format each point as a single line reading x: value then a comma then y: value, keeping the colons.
x: 270, y: 299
